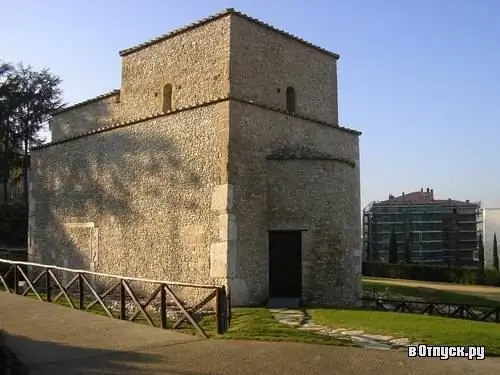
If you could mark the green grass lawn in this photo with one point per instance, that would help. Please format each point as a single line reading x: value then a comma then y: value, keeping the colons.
x: 247, y: 324
x: 419, y: 328
x: 258, y: 324
x: 429, y: 294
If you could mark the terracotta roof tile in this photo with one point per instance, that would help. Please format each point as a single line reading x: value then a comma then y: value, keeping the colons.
x: 422, y: 197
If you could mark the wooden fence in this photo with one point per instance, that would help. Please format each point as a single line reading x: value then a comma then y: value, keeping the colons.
x: 80, y: 292
x: 484, y: 313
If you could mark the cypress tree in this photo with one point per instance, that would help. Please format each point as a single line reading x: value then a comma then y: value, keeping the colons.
x: 481, y: 251
x: 407, y: 251
x: 393, y: 247
x: 495, y: 253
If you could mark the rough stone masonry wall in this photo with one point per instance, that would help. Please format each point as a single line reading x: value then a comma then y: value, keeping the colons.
x: 147, y: 188
x: 318, y: 195
x: 195, y: 63
x: 321, y: 196
x: 264, y: 63
x: 89, y: 116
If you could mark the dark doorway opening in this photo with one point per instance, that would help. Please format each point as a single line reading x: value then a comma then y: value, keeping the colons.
x: 285, y: 264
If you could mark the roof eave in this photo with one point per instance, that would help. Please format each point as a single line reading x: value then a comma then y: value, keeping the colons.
x: 215, y: 17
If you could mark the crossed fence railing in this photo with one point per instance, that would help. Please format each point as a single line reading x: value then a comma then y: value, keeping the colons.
x: 388, y: 302
x: 159, y: 305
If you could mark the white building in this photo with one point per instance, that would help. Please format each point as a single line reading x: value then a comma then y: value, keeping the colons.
x: 491, y: 225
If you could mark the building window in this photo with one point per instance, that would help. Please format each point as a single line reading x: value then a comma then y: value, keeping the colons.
x: 290, y: 99
x: 167, y: 97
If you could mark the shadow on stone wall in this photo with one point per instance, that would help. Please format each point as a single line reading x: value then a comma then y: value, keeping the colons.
x: 55, y: 358
x: 117, y: 172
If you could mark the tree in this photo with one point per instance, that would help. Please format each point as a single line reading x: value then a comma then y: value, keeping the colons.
x: 28, y: 98
x: 481, y: 251
x: 39, y: 97
x: 393, y: 247
x: 495, y: 253
x: 9, y: 88
x: 407, y: 251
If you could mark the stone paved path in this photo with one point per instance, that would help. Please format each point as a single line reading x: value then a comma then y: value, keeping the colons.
x: 300, y: 320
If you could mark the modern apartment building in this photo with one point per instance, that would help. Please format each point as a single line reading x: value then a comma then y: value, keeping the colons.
x: 439, y: 231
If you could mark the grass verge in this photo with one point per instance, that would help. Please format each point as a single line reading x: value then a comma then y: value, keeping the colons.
x: 255, y: 323
x: 418, y: 328
x: 258, y: 324
x: 429, y: 294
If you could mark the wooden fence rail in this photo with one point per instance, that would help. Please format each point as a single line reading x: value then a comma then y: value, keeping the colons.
x: 483, y: 313
x: 47, y: 286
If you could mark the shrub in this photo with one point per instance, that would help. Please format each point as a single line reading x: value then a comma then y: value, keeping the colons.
x: 437, y: 273
x: 13, y: 225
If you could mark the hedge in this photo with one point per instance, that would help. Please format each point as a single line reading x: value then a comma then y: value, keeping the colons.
x: 445, y: 274
x: 13, y: 225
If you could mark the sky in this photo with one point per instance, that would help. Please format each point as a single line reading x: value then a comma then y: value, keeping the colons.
x: 420, y: 79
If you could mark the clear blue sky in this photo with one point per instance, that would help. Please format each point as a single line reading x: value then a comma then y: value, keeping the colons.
x: 420, y: 79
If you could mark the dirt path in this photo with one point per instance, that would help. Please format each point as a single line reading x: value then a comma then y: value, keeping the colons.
x: 488, y: 292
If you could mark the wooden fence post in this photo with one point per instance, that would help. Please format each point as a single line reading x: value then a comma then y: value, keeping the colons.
x: 47, y: 285
x: 80, y: 291
x: 229, y: 308
x: 16, y: 280
x: 221, y: 310
x: 163, y: 307
x: 218, y: 311
x: 123, y: 305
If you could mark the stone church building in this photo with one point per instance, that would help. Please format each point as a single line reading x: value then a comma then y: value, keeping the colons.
x: 219, y: 160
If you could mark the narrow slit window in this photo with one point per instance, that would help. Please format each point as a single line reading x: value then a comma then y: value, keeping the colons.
x: 167, y: 97
x: 290, y: 99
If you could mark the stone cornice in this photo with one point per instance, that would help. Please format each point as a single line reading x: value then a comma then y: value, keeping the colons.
x: 88, y: 101
x: 187, y: 108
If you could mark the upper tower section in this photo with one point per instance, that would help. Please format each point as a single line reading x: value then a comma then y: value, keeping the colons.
x: 181, y: 69
x: 276, y: 69
x: 230, y: 53
x: 227, y: 55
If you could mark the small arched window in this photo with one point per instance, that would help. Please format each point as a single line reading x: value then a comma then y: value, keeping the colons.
x: 290, y: 99
x: 167, y: 97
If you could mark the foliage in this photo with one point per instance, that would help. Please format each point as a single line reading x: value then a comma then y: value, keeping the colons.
x: 481, y: 251
x: 27, y: 99
x: 13, y: 225
x: 432, y: 273
x: 495, y: 253
x: 407, y: 251
x: 393, y: 247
